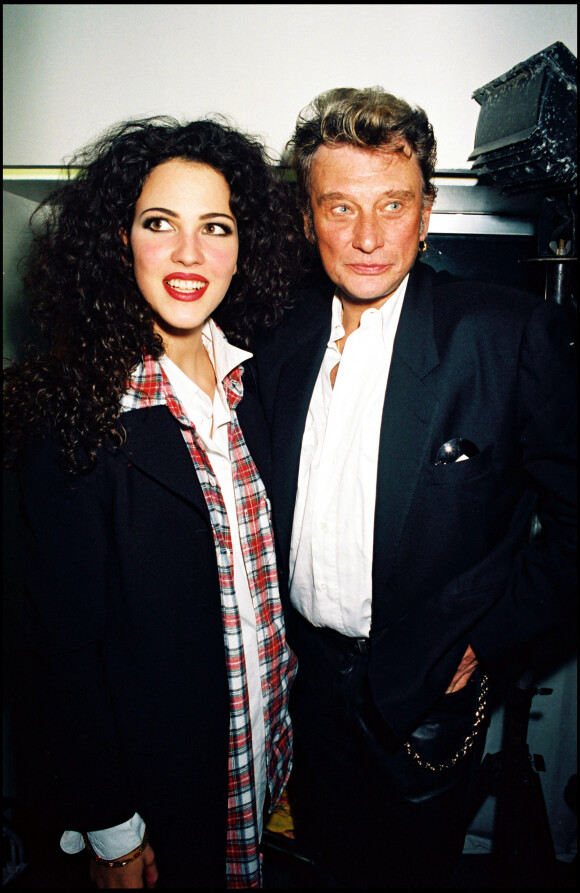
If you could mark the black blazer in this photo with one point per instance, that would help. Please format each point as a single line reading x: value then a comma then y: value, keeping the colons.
x: 452, y: 564
x: 125, y: 622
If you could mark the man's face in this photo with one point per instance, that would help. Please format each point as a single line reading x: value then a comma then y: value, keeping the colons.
x: 368, y: 218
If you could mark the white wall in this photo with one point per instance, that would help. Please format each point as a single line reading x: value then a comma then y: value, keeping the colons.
x: 72, y: 70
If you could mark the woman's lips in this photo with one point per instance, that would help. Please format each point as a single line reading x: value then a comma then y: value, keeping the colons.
x: 186, y: 287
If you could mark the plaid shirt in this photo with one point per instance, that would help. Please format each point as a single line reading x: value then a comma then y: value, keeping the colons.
x: 149, y: 386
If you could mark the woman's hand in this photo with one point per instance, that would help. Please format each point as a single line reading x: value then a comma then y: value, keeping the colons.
x: 140, y: 873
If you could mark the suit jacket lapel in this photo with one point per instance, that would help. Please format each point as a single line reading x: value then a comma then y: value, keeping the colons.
x: 296, y: 383
x: 155, y: 445
x: 408, y: 416
x: 255, y: 428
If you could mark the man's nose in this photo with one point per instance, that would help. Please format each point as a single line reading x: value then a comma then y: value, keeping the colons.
x: 368, y: 233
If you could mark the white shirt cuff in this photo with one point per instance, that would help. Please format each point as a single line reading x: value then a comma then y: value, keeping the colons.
x: 109, y: 843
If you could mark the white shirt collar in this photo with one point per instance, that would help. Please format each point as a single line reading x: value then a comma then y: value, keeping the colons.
x: 224, y: 357
x: 383, y: 314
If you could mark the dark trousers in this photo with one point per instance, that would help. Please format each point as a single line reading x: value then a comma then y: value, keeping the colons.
x: 364, y: 810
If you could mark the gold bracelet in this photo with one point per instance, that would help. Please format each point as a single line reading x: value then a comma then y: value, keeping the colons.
x: 117, y: 863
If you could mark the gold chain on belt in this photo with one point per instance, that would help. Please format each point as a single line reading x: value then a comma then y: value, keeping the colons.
x: 469, y: 740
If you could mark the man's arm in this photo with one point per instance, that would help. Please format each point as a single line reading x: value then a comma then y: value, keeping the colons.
x: 541, y: 590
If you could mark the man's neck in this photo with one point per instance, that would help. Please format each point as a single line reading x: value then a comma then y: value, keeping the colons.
x: 353, y: 310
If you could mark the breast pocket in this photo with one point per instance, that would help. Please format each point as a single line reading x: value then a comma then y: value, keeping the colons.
x: 476, y: 471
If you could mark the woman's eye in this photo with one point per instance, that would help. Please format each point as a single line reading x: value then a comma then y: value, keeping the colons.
x: 157, y: 224
x: 218, y: 229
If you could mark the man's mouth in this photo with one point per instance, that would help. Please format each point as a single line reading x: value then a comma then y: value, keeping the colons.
x: 369, y: 269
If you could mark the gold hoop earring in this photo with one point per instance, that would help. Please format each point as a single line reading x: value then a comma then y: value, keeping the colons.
x: 422, y: 246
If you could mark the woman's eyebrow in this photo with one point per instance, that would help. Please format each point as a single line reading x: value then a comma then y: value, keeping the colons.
x: 162, y: 210
x: 170, y: 213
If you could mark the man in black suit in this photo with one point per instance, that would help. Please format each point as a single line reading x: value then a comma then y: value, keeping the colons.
x: 418, y: 426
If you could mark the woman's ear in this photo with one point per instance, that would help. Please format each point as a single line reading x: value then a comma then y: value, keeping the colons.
x: 126, y: 256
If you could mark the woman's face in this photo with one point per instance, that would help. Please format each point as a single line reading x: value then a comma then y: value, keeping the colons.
x: 184, y: 240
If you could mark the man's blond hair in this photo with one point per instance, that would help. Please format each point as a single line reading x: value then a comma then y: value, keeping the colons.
x: 368, y: 119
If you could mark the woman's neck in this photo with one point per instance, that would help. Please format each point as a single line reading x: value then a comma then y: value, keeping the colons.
x: 191, y: 356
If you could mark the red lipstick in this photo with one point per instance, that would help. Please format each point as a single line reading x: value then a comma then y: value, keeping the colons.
x: 183, y: 292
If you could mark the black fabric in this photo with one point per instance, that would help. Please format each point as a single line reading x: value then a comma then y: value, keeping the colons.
x: 453, y: 562
x: 364, y: 810
x: 125, y: 628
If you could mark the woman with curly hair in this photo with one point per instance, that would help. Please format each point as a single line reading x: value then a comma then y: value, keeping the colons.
x: 142, y: 459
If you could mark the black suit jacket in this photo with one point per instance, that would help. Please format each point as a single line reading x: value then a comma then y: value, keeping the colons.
x: 125, y: 622
x: 452, y: 561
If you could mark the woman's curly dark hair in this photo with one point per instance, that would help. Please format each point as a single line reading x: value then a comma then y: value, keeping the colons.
x: 95, y: 323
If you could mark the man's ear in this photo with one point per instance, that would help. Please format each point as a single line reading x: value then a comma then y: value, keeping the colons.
x: 309, y: 227
x: 425, y: 218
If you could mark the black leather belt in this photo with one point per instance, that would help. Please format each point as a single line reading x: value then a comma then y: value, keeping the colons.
x: 349, y: 644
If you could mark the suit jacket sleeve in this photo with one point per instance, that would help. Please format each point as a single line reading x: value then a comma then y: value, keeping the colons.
x: 67, y: 568
x: 541, y: 587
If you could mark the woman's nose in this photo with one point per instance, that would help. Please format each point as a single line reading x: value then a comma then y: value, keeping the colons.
x: 187, y: 249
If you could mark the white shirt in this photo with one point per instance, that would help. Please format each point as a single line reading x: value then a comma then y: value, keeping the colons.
x: 111, y: 843
x: 331, y: 550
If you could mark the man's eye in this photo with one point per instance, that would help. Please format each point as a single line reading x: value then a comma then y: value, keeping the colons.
x: 393, y: 206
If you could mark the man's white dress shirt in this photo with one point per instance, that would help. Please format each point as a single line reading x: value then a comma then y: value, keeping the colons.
x: 331, y: 549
